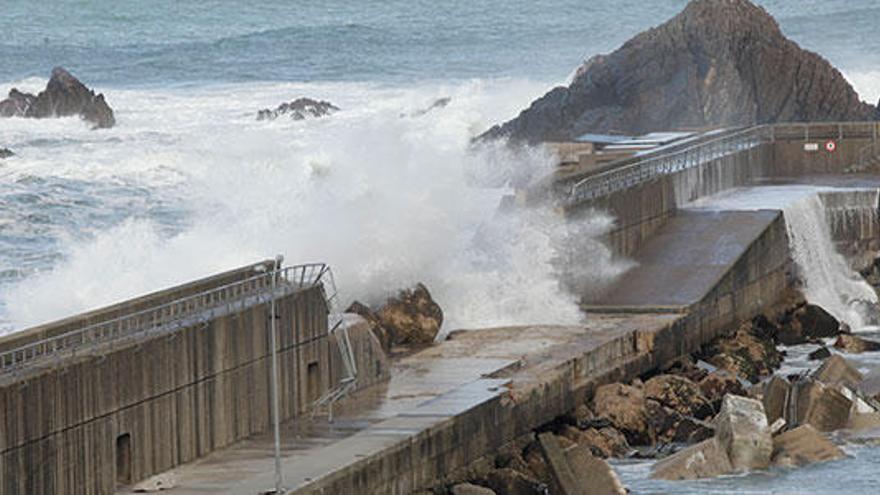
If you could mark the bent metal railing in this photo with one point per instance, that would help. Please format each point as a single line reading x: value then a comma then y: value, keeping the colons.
x: 630, y: 175
x: 179, y: 313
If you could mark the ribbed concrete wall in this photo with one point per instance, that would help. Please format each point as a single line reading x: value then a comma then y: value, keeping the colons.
x: 641, y: 210
x: 176, y: 396
x: 854, y: 219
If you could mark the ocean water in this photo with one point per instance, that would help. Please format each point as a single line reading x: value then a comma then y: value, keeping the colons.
x: 189, y: 182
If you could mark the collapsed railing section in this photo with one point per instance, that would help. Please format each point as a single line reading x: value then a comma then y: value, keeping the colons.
x: 633, y: 174
x: 180, y: 313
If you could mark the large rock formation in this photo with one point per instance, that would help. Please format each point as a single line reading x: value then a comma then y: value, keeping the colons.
x: 64, y: 96
x: 717, y: 63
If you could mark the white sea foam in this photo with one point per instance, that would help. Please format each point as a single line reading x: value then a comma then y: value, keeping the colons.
x: 866, y: 83
x: 828, y: 280
x: 388, y: 200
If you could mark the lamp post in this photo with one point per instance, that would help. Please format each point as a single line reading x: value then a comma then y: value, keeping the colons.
x: 273, y: 344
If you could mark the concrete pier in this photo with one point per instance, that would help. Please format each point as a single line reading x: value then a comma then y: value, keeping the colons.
x: 90, y: 406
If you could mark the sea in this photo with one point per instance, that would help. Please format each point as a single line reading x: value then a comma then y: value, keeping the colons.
x: 388, y: 190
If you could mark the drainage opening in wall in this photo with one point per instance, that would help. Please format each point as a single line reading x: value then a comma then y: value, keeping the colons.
x: 123, y: 459
x: 313, y: 383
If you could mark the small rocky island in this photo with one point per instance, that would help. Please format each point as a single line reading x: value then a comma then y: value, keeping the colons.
x: 299, y: 109
x: 64, y: 96
x: 718, y: 63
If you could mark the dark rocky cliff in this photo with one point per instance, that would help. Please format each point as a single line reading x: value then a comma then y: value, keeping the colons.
x: 717, y: 63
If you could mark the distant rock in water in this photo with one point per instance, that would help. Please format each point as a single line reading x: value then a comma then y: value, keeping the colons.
x: 64, y: 96
x: 717, y: 63
x: 299, y: 109
x: 5, y: 153
x: 438, y: 103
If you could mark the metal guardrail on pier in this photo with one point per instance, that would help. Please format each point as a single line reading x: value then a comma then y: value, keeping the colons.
x: 182, y: 312
x: 629, y: 175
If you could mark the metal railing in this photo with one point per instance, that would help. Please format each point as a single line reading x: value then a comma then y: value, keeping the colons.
x: 649, y: 167
x: 868, y: 156
x: 182, y: 312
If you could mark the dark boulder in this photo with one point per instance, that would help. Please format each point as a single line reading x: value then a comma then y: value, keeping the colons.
x: 64, y: 96
x: 819, y: 354
x: 299, y: 109
x: 807, y: 323
x: 717, y: 63
x: 6, y: 153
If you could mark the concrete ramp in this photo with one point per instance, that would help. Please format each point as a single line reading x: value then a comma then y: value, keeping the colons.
x: 685, y: 260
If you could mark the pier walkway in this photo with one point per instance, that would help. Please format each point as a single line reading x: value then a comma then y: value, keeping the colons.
x: 685, y: 260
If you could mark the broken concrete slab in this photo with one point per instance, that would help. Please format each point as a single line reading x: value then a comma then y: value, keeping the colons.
x: 802, y: 446
x: 741, y: 429
x: 706, y: 459
x: 837, y: 370
x: 593, y: 475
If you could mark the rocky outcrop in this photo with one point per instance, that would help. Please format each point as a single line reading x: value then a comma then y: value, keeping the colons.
x: 750, y: 352
x: 623, y: 406
x: 679, y: 394
x: 855, y: 345
x: 410, y: 318
x: 5, y: 153
x: 717, y: 63
x: 64, y: 96
x: 299, y: 109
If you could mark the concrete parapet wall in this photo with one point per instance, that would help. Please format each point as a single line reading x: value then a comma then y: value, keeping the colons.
x: 790, y: 158
x: 854, y: 220
x: 166, y: 400
x: 641, y: 210
x: 17, y: 339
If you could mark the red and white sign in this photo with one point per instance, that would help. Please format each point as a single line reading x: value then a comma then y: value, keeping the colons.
x: 831, y: 146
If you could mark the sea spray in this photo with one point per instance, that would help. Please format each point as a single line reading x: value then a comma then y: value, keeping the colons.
x: 828, y: 280
x: 386, y: 200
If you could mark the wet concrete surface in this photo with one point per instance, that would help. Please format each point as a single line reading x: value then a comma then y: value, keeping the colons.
x: 684, y: 260
x: 426, y: 389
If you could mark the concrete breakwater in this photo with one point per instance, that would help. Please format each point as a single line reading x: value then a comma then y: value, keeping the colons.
x: 426, y: 419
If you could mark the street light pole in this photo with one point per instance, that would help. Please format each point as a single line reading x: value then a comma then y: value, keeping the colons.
x: 273, y: 344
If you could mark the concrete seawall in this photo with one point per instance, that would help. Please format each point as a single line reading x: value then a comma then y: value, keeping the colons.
x: 118, y: 412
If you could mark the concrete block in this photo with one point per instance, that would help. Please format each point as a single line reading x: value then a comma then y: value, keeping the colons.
x: 824, y: 407
x: 775, y: 393
x: 706, y: 459
x: 837, y: 370
x: 802, y: 446
x: 558, y: 464
x: 593, y: 475
x: 741, y: 429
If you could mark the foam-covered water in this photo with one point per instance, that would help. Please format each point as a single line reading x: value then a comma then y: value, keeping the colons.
x: 191, y: 183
